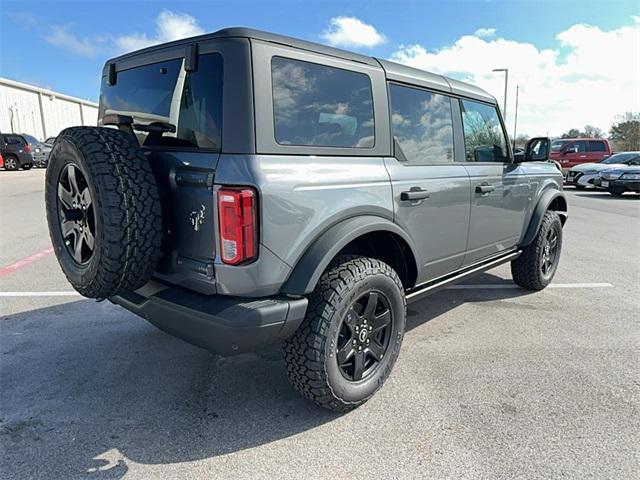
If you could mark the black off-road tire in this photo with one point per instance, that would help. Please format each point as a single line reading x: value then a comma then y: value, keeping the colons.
x: 126, y: 208
x: 527, y: 269
x: 310, y: 354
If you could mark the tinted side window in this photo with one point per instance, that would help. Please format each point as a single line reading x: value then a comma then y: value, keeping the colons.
x: 14, y: 140
x: 483, y: 135
x: 581, y: 144
x: 422, y: 124
x: 318, y: 105
x: 596, y: 146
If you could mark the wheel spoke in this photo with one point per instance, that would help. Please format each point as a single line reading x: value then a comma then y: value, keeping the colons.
x: 77, y: 247
x: 85, y: 196
x: 372, y: 303
x: 553, y: 242
x: 68, y: 228
x: 376, y: 350
x: 89, y: 240
x: 352, y: 319
x: 358, y: 365
x: 381, y: 321
x: 73, y: 182
x: 345, y: 353
x: 65, y: 196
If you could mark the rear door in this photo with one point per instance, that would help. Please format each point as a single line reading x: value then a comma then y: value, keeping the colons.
x: 158, y: 88
x: 430, y: 189
x: 499, y: 188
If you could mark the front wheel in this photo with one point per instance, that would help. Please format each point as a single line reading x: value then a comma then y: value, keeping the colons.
x: 537, y: 265
x: 347, y: 345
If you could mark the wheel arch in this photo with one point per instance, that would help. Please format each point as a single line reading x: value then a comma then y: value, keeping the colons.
x: 366, y: 235
x: 551, y: 199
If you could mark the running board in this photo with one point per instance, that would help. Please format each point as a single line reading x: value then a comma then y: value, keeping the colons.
x: 439, y: 283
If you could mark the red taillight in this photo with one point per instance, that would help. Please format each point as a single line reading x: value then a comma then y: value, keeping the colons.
x: 27, y: 148
x: 238, y: 225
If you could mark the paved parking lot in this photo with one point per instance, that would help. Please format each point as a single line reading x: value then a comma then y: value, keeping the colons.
x: 492, y: 381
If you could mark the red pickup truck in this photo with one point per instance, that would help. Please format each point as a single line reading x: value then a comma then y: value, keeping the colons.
x: 570, y: 152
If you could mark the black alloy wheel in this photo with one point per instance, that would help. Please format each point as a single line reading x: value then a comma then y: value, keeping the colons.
x: 549, y: 253
x: 76, y: 214
x: 364, y: 336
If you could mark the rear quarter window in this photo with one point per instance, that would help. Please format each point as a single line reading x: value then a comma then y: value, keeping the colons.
x: 597, y: 146
x: 319, y: 105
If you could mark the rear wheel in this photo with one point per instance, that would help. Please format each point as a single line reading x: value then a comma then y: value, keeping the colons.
x: 11, y: 163
x: 537, y: 265
x: 349, y: 341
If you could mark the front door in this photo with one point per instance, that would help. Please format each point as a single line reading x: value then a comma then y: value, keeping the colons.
x: 499, y: 188
x: 431, y: 190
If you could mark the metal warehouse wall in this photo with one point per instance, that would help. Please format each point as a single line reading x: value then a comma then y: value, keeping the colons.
x: 41, y: 112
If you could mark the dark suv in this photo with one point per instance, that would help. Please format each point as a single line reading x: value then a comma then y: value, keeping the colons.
x: 245, y: 188
x: 16, y: 150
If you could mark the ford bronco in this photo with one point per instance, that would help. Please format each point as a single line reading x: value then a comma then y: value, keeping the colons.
x: 245, y: 188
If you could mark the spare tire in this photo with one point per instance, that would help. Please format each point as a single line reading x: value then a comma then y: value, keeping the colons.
x: 103, y: 211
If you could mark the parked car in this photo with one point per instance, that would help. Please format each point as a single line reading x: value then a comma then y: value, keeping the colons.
x: 16, y: 151
x: 39, y: 150
x: 309, y: 210
x: 620, y: 179
x: 574, y: 151
x: 583, y: 175
x: 50, y: 141
x: 1, y: 161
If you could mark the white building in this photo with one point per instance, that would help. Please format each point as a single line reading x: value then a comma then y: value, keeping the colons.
x: 40, y: 112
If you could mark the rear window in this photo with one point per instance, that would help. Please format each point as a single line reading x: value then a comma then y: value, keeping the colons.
x: 165, y: 92
x: 31, y: 140
x: 597, y: 146
x: 318, y: 105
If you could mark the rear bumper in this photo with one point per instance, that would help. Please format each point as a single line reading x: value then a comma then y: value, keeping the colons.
x: 221, y: 324
x: 620, y: 185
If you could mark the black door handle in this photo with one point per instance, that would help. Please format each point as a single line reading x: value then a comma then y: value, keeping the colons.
x: 415, y: 193
x: 484, y: 188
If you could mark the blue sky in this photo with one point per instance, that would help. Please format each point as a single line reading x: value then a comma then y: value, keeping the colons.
x: 62, y: 45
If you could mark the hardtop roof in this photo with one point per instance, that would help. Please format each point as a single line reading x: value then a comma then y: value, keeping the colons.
x: 394, y: 71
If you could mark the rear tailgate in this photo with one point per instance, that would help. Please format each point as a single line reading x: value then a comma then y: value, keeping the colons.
x: 176, y: 111
x: 186, y: 189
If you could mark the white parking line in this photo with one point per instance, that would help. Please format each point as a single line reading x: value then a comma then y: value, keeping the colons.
x: 39, y: 294
x: 492, y: 286
x: 473, y: 286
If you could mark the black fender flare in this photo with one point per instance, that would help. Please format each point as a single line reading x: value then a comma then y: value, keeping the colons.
x: 546, y: 199
x: 319, y: 254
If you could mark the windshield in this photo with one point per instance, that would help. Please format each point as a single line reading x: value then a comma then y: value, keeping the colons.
x: 620, y: 158
x: 557, y: 145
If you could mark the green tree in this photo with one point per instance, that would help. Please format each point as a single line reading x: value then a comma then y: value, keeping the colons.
x: 625, y: 132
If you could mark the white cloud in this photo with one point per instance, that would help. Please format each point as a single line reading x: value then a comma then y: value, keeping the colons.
x: 485, y: 32
x: 590, y: 77
x: 352, y: 32
x: 169, y: 26
x: 60, y: 36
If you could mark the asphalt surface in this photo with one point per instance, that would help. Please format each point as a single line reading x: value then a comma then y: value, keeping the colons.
x: 491, y: 383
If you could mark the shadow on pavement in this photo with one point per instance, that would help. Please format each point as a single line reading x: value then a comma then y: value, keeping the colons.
x: 86, y: 386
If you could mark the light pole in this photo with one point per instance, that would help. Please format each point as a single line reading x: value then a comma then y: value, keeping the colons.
x: 515, y: 118
x: 506, y: 82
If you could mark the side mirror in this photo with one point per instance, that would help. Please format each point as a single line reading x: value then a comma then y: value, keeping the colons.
x: 537, y: 150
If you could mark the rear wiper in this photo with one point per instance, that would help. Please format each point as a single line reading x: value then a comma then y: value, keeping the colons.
x: 125, y: 123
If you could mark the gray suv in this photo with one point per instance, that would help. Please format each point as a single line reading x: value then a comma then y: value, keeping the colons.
x: 245, y: 188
